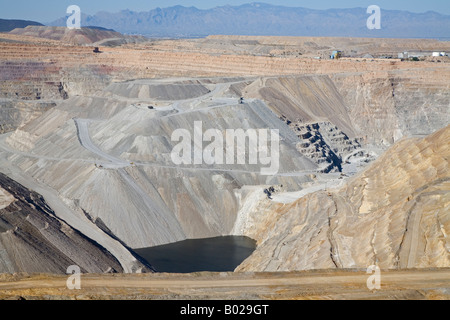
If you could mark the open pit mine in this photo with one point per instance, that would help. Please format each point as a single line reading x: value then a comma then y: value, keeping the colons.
x: 87, y: 176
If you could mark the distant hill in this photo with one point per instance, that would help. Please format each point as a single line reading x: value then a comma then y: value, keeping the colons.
x: 88, y: 35
x: 82, y: 36
x: 264, y: 19
x: 8, y: 25
x: 99, y: 28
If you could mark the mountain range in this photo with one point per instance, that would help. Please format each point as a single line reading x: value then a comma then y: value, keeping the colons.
x: 264, y: 19
x: 8, y: 25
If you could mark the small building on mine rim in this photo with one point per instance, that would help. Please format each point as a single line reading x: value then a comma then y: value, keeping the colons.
x: 421, y: 54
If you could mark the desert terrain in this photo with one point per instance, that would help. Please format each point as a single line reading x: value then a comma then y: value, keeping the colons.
x: 312, y: 285
x: 86, y: 175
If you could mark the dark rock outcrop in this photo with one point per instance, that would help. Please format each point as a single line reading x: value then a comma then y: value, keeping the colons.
x: 33, y: 239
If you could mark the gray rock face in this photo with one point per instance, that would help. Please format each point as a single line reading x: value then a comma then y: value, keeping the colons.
x: 127, y: 179
x: 145, y: 89
x: 15, y: 113
x: 33, y: 239
x: 109, y: 155
x: 325, y: 144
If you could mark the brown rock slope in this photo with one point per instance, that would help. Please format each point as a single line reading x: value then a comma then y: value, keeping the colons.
x: 394, y: 214
x: 32, y: 239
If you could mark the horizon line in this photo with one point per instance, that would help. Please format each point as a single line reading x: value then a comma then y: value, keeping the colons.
x: 225, y: 6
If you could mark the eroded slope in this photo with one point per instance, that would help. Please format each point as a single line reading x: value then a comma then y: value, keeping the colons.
x: 394, y: 214
x: 33, y: 239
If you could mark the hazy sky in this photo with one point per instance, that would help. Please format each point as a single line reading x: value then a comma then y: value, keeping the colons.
x: 50, y: 10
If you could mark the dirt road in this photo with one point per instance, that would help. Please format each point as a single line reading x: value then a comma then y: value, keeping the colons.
x: 415, y: 284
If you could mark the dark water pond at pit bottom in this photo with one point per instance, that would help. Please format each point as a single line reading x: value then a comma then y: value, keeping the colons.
x: 221, y: 254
